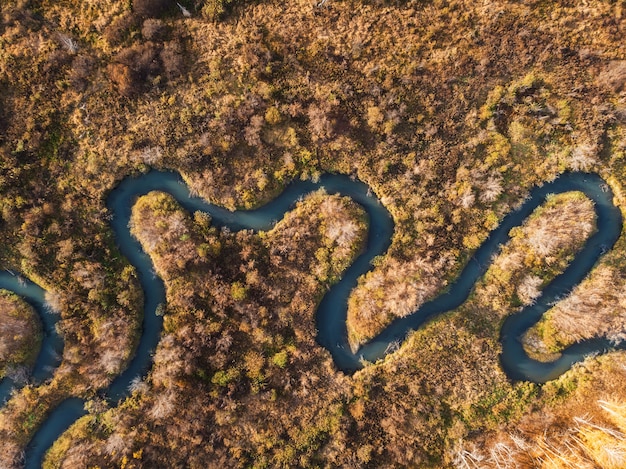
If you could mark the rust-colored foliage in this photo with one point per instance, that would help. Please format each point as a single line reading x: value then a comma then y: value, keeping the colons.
x: 449, y: 110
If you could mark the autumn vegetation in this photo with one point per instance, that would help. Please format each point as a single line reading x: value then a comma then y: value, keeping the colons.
x: 20, y: 329
x: 449, y: 110
x: 593, y: 309
x: 580, y: 424
x: 539, y: 250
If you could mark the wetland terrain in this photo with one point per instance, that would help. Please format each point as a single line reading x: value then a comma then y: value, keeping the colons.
x: 334, y: 234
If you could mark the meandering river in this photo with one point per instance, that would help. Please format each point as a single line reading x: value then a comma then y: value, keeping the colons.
x: 332, y: 311
x: 51, y: 344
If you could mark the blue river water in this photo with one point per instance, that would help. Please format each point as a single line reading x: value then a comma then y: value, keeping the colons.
x: 332, y: 311
x: 51, y: 345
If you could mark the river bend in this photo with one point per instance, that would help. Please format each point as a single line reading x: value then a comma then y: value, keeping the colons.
x: 332, y: 311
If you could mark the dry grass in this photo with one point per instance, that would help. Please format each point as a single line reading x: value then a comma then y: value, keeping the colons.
x: 449, y: 110
x: 20, y: 329
x: 578, y: 430
x: 595, y: 308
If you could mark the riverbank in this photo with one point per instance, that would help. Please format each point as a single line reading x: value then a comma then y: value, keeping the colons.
x: 178, y: 241
x: 450, y: 111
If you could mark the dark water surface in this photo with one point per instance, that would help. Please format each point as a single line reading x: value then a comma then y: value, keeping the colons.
x: 332, y: 311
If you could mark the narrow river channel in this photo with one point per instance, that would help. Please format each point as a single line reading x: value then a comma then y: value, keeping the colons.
x: 332, y: 311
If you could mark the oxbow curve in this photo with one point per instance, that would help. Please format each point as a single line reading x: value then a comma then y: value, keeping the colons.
x: 332, y: 311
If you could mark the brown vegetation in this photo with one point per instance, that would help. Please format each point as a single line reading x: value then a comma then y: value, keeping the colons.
x: 614, y: 76
x: 239, y: 328
x: 449, y: 110
x: 539, y: 250
x: 150, y: 8
x: 20, y: 330
x: 596, y: 308
x: 581, y: 424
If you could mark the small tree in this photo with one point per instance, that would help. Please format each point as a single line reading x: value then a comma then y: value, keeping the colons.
x: 150, y: 8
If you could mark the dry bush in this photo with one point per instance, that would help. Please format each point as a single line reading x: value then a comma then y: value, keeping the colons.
x: 321, y: 124
x: 583, y: 157
x: 613, y: 76
x: 55, y: 302
x: 141, y: 58
x: 117, y: 444
x: 595, y: 308
x: 119, y: 29
x: 154, y: 30
x: 164, y: 405
x: 20, y: 332
x: 123, y: 78
x: 82, y: 67
x: 252, y: 133
x: 57, y: 60
x: 215, y: 9
x: 528, y: 290
x: 151, y: 8
x: 172, y: 59
x: 588, y: 442
x: 133, y: 67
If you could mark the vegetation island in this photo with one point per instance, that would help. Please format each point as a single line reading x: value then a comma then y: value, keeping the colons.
x: 451, y: 111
